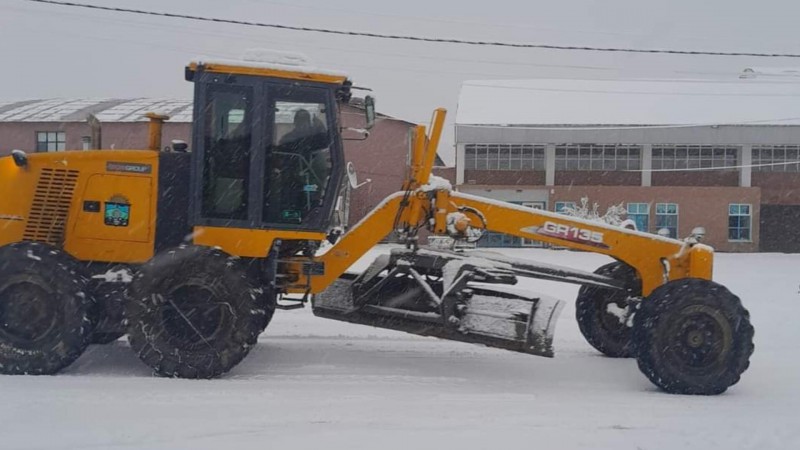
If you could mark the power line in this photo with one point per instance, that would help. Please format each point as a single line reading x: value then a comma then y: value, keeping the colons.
x: 450, y: 21
x: 174, y: 28
x: 625, y: 92
x: 194, y: 52
x: 413, y: 38
x: 702, y: 169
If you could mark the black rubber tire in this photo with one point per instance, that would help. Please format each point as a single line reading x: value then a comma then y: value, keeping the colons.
x: 194, y: 312
x: 693, y: 336
x: 45, y: 308
x: 105, y: 338
x: 602, y: 330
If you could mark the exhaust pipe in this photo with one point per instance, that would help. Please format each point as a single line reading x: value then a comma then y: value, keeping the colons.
x: 154, y: 131
x: 96, y: 138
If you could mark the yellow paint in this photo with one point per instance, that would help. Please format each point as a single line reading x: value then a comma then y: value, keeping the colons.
x: 16, y: 189
x: 134, y: 190
x: 357, y: 242
x: 432, y: 145
x: 642, y: 251
x: 273, y: 73
x: 154, y: 130
x: 86, y: 236
x: 248, y: 243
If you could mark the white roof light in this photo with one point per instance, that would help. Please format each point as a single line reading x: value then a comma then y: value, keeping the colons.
x: 275, y: 60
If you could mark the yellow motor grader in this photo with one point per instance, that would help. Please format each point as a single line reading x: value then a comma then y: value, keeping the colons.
x: 190, y: 252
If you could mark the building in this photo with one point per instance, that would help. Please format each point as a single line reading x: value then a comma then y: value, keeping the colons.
x: 677, y: 154
x: 58, y: 125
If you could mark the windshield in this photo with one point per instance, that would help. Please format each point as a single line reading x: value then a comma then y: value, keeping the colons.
x: 299, y: 165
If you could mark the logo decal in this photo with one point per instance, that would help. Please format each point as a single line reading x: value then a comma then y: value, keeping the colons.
x: 117, y: 214
x: 568, y: 233
x: 117, y: 211
x: 128, y: 167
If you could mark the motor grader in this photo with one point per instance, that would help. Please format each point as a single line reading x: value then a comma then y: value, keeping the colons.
x: 190, y: 252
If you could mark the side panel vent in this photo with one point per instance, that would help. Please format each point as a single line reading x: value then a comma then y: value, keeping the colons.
x: 50, y: 208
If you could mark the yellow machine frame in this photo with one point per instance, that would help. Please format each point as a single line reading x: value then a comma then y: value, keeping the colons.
x: 656, y: 259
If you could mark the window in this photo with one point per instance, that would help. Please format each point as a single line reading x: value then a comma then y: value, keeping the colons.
x: 774, y: 158
x: 667, y: 218
x: 598, y: 157
x: 694, y: 157
x: 51, y: 141
x: 227, y: 141
x: 503, y: 157
x: 299, y: 167
x: 560, y: 206
x: 640, y: 214
x: 739, y: 220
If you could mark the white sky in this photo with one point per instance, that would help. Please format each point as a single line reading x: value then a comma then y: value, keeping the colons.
x: 50, y: 51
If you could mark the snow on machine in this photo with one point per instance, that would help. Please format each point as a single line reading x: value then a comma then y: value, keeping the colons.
x: 189, y: 253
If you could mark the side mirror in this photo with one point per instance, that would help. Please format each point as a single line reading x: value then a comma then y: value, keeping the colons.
x: 369, y: 111
x: 20, y: 158
x: 352, y: 177
x: 179, y: 146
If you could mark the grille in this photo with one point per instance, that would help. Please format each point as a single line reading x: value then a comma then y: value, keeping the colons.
x: 47, y: 219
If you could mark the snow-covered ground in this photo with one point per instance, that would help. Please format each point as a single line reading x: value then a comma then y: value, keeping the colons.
x: 325, y: 385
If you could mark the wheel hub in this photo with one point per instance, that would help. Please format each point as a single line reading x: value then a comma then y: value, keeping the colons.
x: 26, y: 314
x: 695, y: 339
x: 702, y: 337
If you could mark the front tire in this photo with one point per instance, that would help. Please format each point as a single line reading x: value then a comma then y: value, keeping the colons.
x: 194, y: 312
x: 45, y: 308
x: 693, y: 337
x: 603, y: 314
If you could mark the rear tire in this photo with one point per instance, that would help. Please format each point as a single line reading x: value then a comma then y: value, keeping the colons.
x: 44, y: 309
x: 194, y: 312
x: 693, y: 337
x: 609, y: 333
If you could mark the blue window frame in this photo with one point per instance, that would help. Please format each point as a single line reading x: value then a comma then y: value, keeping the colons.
x: 739, y: 222
x: 640, y: 214
x: 667, y: 218
x: 559, y: 206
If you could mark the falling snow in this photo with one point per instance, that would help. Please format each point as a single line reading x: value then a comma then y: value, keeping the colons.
x: 311, y: 382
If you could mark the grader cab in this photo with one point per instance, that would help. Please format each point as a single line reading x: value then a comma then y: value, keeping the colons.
x: 188, y: 253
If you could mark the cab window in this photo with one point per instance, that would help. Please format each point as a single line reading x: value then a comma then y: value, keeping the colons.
x: 298, y: 164
x: 227, y: 141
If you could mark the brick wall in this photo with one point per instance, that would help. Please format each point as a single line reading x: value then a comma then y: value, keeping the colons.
x: 706, y: 207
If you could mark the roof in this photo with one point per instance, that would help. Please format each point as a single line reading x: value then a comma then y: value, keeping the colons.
x: 110, y: 110
x: 628, y: 102
x: 264, y: 62
x: 106, y: 110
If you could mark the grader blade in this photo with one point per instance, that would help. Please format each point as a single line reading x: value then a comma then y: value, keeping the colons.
x: 447, y: 296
